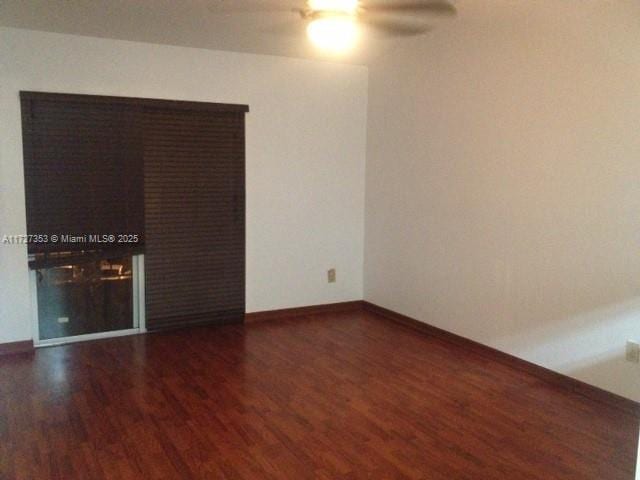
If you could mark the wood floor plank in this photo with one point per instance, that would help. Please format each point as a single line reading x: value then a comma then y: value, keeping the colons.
x: 334, y: 395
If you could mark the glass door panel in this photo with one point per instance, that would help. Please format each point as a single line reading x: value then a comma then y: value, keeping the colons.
x: 85, y: 297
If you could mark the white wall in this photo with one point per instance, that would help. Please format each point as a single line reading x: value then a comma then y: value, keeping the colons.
x: 306, y: 139
x: 503, y: 182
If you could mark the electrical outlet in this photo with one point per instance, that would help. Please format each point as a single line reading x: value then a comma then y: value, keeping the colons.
x: 331, y: 275
x: 63, y: 319
x: 633, y: 352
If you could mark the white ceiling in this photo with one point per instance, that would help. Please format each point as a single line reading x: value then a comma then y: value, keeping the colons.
x: 255, y: 26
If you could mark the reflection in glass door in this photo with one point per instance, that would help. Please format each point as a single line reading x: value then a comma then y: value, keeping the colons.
x: 87, y: 299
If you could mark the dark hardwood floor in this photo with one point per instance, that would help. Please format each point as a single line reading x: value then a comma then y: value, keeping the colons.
x: 336, y: 396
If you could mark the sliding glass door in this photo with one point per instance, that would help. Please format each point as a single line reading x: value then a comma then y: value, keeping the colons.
x: 108, y: 179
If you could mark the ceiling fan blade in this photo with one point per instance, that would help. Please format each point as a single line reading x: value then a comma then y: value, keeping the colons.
x: 415, y: 7
x: 395, y: 27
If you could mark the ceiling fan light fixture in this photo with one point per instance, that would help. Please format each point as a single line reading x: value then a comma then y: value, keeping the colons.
x: 334, y: 34
x: 343, y: 6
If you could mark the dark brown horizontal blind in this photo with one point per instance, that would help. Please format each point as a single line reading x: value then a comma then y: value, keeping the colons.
x: 83, y: 173
x: 194, y: 164
x: 91, y: 164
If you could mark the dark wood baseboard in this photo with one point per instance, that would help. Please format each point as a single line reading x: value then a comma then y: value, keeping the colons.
x: 594, y: 393
x: 14, y: 348
x: 301, y: 311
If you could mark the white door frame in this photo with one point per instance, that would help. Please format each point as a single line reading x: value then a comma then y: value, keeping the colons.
x: 139, y: 311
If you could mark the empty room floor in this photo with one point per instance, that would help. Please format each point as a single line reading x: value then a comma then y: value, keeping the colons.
x: 335, y: 396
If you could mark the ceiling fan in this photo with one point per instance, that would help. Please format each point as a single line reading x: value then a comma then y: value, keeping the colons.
x: 333, y: 25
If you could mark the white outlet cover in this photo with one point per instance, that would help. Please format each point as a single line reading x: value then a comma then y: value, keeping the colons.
x: 63, y: 319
